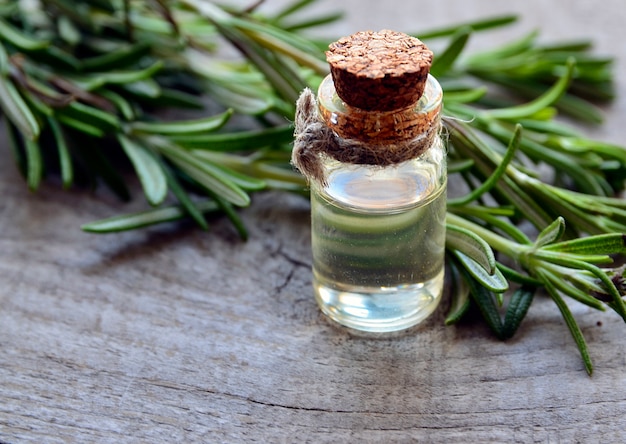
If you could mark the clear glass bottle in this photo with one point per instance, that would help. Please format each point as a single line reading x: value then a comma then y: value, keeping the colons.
x: 378, y: 232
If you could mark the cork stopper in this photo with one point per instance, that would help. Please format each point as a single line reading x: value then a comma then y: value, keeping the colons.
x: 379, y: 71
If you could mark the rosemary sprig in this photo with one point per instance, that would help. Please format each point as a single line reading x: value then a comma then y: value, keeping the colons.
x: 101, y: 74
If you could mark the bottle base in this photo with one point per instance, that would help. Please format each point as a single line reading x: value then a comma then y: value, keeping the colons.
x: 379, y: 309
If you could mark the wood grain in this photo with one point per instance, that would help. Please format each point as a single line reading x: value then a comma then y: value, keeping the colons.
x: 172, y: 334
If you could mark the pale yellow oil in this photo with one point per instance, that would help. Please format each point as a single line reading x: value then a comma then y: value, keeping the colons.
x: 378, y: 237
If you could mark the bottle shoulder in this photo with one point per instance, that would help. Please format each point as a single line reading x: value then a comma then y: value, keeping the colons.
x: 391, y: 188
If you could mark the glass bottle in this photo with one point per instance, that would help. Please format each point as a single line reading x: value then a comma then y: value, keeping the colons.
x: 378, y: 231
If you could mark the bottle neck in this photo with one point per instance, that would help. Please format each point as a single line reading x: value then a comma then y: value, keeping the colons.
x: 380, y: 127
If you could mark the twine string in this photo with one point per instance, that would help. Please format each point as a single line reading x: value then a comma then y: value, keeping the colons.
x: 314, y: 139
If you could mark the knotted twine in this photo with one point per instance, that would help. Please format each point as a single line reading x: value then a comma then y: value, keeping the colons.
x: 314, y: 140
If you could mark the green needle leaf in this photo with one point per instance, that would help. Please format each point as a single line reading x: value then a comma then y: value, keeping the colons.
x: 444, y: 61
x: 493, y: 57
x: 144, y: 89
x: 562, y: 285
x: 540, y: 103
x: 17, y: 110
x: 122, y: 77
x: 243, y: 180
x: 4, y: 61
x: 203, y: 174
x: 58, y: 58
x: 149, y: 171
x: 91, y: 116
x: 185, y: 127
x: 611, y: 243
x: 183, y: 197
x: 65, y: 161
x: 551, y: 233
x: 485, y: 301
x: 291, y: 8
x: 232, y: 215
x: 16, y: 145
x: 93, y: 81
x: 460, y: 295
x: 571, y: 323
x: 495, y: 282
x: 464, y: 96
x: 237, y: 141
x: 80, y: 125
x: 517, y: 309
x: 34, y: 163
x: 19, y: 39
x: 515, y: 276
x: 68, y: 30
x: 145, y: 218
x: 124, y: 56
x: 477, y: 25
x: 210, y: 182
x: 315, y: 21
x: 497, y: 173
x: 120, y: 102
x: 472, y: 245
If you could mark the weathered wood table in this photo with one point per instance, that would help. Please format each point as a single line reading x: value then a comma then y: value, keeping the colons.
x: 174, y: 335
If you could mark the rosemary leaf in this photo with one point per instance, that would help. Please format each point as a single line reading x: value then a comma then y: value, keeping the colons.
x: 17, y: 110
x: 611, y: 243
x: 472, y: 246
x: 65, y: 161
x: 19, y: 39
x: 123, y: 57
x: 540, y: 103
x: 186, y: 127
x: 34, y: 162
x: 494, y: 282
x: 460, y: 295
x: 572, y: 325
x: 485, y: 302
x: 477, y: 25
x: 183, y: 197
x: 551, y: 233
x: 516, y: 311
x: 145, y: 218
x: 443, y: 63
x: 204, y: 174
x: 149, y: 171
x: 236, y: 141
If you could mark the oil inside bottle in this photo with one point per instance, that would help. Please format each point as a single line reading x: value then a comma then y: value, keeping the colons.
x: 378, y: 242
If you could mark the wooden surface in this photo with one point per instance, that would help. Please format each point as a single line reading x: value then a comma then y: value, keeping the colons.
x: 175, y: 335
